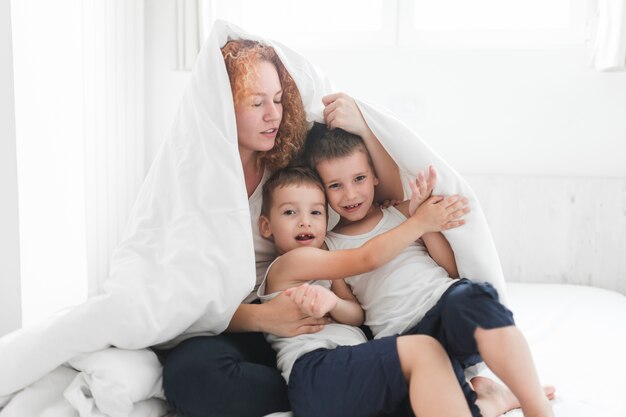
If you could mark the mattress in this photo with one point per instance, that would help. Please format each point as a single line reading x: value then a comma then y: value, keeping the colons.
x: 576, y: 334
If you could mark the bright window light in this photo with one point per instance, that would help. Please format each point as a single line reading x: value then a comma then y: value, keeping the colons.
x: 320, y: 16
x: 316, y: 24
x: 47, y: 51
x: 453, y: 15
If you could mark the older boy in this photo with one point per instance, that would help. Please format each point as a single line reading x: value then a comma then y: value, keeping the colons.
x: 418, y: 293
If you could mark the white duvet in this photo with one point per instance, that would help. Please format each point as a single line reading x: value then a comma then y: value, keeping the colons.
x: 186, y: 259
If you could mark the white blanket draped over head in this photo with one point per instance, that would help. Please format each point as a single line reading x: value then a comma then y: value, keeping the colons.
x: 186, y: 259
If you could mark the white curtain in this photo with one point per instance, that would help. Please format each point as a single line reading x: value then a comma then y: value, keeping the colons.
x: 609, y: 49
x: 79, y: 137
x: 114, y: 124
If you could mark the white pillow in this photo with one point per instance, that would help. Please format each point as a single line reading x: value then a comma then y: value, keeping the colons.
x: 113, y: 380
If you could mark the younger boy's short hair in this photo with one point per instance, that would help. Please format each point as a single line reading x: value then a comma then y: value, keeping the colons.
x: 291, y: 175
x: 323, y: 144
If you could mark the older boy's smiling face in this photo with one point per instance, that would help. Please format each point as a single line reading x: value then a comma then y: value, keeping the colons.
x: 297, y: 217
x: 349, y: 184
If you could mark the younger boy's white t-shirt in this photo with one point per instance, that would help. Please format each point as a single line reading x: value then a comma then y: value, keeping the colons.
x: 289, y: 349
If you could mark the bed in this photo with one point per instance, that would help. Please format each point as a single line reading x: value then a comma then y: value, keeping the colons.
x: 165, y: 273
x: 576, y: 333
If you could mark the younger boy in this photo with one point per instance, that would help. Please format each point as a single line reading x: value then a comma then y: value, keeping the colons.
x: 294, y: 216
x: 418, y: 293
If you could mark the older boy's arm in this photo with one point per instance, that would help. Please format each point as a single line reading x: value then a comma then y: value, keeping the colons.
x: 342, y: 111
x: 348, y: 310
x: 440, y: 250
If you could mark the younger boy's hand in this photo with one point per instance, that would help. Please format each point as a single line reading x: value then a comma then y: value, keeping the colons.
x: 442, y: 213
x: 421, y: 188
x: 313, y: 300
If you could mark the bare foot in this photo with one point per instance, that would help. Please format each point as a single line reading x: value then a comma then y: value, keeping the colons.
x: 495, y: 399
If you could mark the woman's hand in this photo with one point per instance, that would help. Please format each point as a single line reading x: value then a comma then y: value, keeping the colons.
x: 341, y: 111
x: 282, y: 317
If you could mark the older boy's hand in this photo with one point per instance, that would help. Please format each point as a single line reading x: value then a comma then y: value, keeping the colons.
x: 284, y: 318
x: 422, y: 189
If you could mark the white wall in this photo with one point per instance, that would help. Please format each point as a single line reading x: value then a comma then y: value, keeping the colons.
x: 539, y: 112
x: 10, y: 298
x: 524, y: 118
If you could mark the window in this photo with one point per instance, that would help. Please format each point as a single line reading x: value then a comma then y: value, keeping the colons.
x: 419, y: 23
x: 327, y: 23
x: 492, y: 23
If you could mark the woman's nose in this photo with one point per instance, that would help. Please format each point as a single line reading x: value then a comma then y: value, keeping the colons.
x: 274, y: 111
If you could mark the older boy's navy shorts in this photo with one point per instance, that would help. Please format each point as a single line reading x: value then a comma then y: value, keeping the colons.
x: 361, y: 380
x: 464, y: 307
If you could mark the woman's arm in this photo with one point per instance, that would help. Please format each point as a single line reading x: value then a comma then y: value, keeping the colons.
x: 342, y: 111
x: 279, y: 316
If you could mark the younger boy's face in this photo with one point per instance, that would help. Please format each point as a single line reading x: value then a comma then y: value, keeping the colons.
x: 297, y: 217
x: 350, y: 183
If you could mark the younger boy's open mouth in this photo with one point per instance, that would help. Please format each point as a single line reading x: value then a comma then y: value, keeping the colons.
x: 305, y: 237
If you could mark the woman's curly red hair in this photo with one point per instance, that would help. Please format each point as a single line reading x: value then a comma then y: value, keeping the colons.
x: 241, y: 58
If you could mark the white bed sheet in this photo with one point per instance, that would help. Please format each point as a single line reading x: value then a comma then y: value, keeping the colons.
x: 577, y: 335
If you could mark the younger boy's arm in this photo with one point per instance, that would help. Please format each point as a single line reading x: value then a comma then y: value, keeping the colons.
x: 308, y: 263
x: 316, y: 301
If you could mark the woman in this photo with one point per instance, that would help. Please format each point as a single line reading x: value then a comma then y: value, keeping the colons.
x: 234, y: 374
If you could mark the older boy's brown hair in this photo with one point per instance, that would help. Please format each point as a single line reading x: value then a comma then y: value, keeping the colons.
x: 323, y: 144
x: 291, y: 175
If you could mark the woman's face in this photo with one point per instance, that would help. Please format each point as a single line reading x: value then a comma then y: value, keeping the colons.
x: 258, y: 116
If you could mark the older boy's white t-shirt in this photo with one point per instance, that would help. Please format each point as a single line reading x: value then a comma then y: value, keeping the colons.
x: 264, y: 249
x: 397, y: 295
